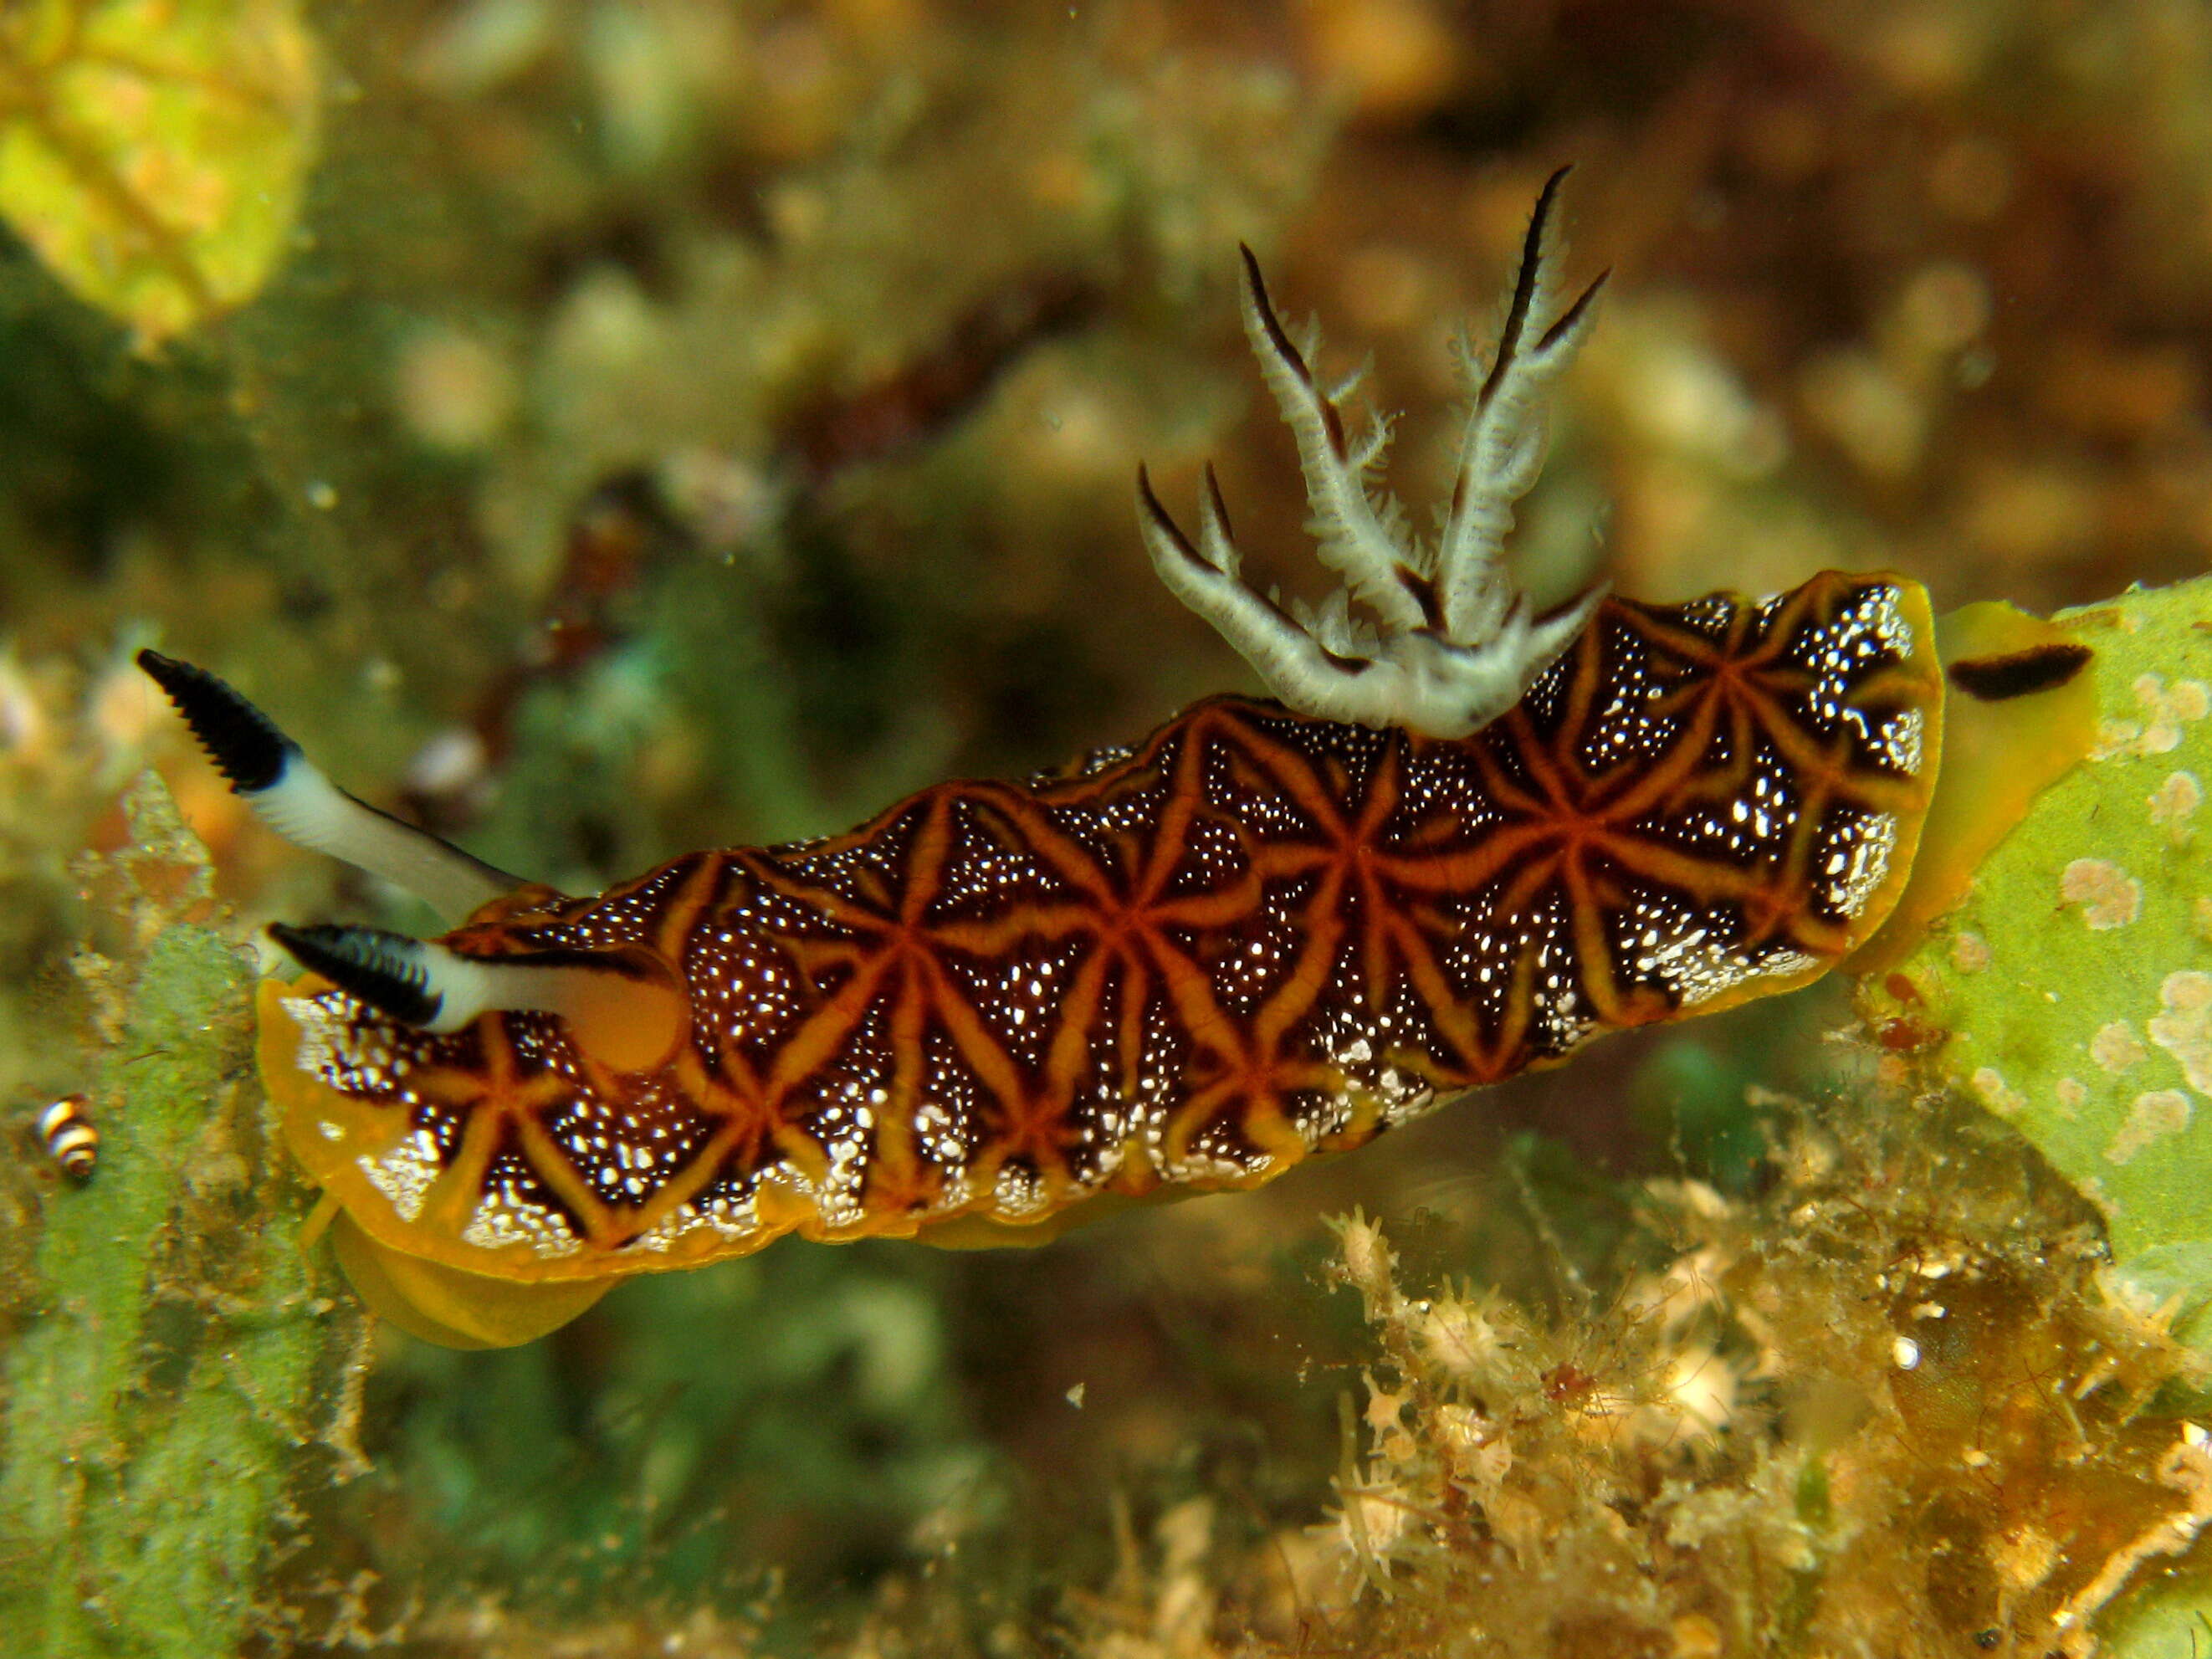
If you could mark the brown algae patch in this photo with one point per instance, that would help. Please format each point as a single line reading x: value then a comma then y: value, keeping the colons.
x: 2156, y: 1113
x: 1894, y: 1381
x: 1994, y: 1092
x: 2109, y: 896
x: 2116, y: 1047
x: 2175, y: 801
x: 2184, y: 1029
x: 2165, y: 710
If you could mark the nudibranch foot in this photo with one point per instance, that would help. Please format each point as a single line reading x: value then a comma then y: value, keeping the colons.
x: 450, y: 1307
x: 1453, y: 642
x: 266, y: 770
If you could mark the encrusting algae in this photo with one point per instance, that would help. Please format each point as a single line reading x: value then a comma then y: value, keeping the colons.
x: 1890, y: 1405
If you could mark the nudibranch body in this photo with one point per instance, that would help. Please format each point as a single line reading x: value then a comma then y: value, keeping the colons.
x: 1464, y: 840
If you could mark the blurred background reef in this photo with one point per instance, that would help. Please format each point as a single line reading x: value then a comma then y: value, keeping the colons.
x: 605, y: 428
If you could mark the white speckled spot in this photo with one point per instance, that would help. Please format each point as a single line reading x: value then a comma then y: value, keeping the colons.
x: 403, y: 1174
x: 1970, y: 952
x: 504, y: 1217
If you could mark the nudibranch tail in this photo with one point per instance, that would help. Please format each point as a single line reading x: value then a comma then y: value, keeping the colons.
x: 1453, y: 643
x: 267, y: 770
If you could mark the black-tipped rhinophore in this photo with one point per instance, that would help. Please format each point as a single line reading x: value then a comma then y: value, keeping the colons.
x: 244, y: 742
x: 290, y: 794
x: 381, y: 968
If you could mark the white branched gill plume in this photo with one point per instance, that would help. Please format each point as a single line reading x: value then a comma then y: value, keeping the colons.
x: 1453, y: 643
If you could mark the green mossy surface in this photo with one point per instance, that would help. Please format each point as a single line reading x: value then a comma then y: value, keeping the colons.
x: 2075, y: 989
x: 154, y: 1410
x: 2075, y: 983
x: 2171, y: 1620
